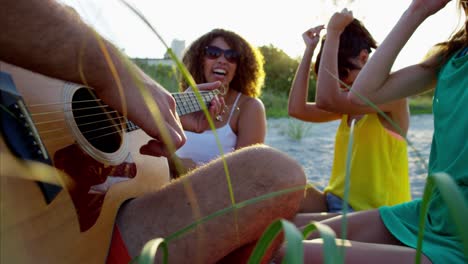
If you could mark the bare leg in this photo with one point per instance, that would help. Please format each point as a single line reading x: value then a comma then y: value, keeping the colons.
x: 359, y: 252
x: 363, y: 226
x: 303, y: 219
x: 369, y: 242
x: 254, y: 171
x: 314, y: 201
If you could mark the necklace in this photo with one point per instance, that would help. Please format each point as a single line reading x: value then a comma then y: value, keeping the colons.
x: 219, y: 117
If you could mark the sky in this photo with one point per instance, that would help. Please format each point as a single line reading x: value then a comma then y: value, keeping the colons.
x: 261, y: 22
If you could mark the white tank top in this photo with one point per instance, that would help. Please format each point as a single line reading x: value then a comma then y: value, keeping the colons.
x: 202, y: 147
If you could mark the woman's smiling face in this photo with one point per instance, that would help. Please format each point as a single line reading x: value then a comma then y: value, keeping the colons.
x: 219, y: 69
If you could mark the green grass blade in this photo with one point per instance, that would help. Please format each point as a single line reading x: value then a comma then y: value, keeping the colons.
x: 344, y: 219
x: 456, y: 204
x: 148, y: 253
x: 293, y: 239
x: 265, y: 241
x: 331, y: 254
x: 428, y: 188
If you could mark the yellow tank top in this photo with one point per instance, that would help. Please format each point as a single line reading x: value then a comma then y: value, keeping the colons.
x: 379, y: 165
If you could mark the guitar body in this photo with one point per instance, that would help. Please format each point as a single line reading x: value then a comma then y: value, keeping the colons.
x: 97, y: 175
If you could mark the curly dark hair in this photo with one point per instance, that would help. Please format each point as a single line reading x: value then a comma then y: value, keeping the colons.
x: 249, y: 76
x: 353, y: 40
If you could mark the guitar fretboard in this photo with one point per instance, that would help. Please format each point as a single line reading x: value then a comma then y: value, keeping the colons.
x: 186, y: 103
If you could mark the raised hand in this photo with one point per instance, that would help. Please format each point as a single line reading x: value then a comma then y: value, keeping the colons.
x: 340, y: 20
x: 312, y: 36
x: 428, y: 7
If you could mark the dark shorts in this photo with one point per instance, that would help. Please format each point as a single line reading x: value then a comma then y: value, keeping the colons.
x: 335, y: 204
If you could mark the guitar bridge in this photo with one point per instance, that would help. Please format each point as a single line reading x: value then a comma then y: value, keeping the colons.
x: 19, y: 132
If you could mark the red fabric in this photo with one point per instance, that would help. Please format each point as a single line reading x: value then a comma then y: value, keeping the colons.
x: 118, y: 253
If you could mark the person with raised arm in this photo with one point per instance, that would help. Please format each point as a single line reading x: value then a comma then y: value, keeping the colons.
x: 379, y: 160
x: 390, y: 234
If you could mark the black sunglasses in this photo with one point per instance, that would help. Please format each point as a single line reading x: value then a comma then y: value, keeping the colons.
x: 213, y: 52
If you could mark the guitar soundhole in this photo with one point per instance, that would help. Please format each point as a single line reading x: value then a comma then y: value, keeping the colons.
x: 99, y: 124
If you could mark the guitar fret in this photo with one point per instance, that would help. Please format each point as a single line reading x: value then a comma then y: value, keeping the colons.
x: 188, y: 103
x: 194, y: 106
x: 131, y: 126
x: 185, y: 103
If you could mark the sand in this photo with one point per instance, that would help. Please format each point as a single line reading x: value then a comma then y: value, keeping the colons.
x: 315, y: 150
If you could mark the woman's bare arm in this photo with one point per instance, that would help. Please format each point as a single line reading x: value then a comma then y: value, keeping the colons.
x: 375, y: 80
x: 298, y: 106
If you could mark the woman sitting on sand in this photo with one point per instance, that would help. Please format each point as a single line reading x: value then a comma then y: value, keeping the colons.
x: 379, y: 161
x: 222, y: 55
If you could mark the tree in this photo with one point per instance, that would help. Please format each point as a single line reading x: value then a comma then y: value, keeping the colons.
x: 280, y: 70
x: 166, y: 75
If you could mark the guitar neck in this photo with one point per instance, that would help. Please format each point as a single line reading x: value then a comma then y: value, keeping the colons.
x: 186, y: 103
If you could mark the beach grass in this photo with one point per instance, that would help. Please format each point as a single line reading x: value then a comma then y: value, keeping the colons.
x: 296, y: 129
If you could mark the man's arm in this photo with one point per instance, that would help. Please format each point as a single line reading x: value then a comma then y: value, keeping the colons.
x: 49, y: 38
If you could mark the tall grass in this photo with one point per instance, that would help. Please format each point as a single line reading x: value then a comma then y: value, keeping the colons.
x: 297, y: 129
x: 294, y: 247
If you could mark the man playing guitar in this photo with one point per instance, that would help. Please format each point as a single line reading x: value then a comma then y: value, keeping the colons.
x: 45, y: 37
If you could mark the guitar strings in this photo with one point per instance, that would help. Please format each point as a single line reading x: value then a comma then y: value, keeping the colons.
x: 71, y: 110
x: 86, y: 131
x: 59, y: 103
x: 121, y: 120
x: 205, y: 95
x: 78, y: 117
x: 51, y: 140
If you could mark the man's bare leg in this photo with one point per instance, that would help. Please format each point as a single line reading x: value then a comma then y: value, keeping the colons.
x: 254, y: 171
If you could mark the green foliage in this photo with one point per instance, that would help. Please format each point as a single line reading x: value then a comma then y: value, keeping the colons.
x: 280, y: 70
x: 420, y: 104
x: 166, y: 75
x: 275, y: 105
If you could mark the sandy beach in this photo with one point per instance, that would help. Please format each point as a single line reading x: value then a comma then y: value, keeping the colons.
x: 315, y: 150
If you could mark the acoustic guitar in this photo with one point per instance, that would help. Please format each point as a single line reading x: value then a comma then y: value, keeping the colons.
x: 68, y: 162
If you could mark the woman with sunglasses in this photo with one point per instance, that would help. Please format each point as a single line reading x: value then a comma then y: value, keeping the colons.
x: 224, y: 56
x: 379, y: 161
